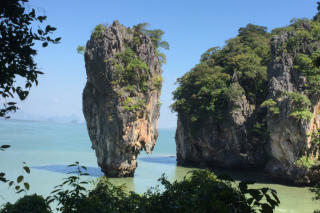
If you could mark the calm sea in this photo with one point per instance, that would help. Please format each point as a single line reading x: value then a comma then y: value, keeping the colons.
x: 48, y: 147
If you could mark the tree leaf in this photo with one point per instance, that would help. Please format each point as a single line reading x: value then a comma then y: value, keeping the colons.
x: 26, y: 185
x: 27, y: 169
x: 40, y: 31
x: 5, y: 146
x: 19, y: 179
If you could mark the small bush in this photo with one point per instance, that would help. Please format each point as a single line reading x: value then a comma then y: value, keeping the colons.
x: 305, y: 162
x: 272, y: 106
x: 158, y: 82
x: 98, y: 30
x: 133, y: 105
x: 81, y: 49
x: 27, y: 204
x: 300, y: 106
x: 130, y: 70
x: 302, y: 115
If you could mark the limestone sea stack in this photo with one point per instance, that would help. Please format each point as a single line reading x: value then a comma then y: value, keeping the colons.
x: 298, y: 101
x: 121, y: 96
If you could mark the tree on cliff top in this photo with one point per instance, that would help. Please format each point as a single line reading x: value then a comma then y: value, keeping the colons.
x: 224, y: 75
x: 155, y: 35
x: 17, y: 40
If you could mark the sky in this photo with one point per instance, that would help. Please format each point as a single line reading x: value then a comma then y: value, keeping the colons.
x: 191, y: 27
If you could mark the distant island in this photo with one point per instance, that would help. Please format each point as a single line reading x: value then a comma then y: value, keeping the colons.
x: 20, y: 115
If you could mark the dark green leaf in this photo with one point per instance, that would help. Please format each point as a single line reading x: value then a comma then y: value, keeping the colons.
x: 26, y: 185
x: 19, y: 179
x: 27, y: 169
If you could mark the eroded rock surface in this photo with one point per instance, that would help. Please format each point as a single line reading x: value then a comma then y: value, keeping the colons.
x: 289, y: 136
x: 226, y: 144
x: 121, y: 97
x: 272, y: 135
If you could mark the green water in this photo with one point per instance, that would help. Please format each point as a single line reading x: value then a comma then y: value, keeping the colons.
x: 46, y: 147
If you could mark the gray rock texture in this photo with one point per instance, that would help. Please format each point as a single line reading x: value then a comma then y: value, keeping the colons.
x: 227, y: 144
x: 232, y: 143
x: 122, y: 117
x: 289, y: 137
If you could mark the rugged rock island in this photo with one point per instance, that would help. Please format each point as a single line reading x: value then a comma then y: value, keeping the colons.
x: 121, y: 96
x: 255, y: 104
x: 294, y: 91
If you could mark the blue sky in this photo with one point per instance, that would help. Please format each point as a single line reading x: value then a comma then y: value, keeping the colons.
x: 191, y: 27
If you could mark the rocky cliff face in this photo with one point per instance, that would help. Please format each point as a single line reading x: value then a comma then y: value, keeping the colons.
x: 121, y: 97
x: 283, y: 147
x: 226, y: 144
x: 290, y: 136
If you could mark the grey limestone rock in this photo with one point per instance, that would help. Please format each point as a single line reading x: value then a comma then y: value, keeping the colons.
x: 226, y: 144
x: 121, y: 112
x: 289, y: 137
x: 229, y: 143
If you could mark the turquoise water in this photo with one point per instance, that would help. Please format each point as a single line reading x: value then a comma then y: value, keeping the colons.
x: 48, y: 147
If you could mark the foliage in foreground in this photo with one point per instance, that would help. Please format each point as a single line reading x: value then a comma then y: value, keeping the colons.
x: 18, y: 37
x: 29, y: 203
x: 199, y: 191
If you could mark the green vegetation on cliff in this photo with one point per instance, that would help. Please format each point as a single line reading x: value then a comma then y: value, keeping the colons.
x: 225, y: 75
x: 229, y: 99
x: 203, y: 90
x: 131, y: 73
x: 272, y: 106
x: 240, y: 68
x: 98, y: 30
x: 303, y: 41
x: 130, y: 70
x: 300, y: 106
